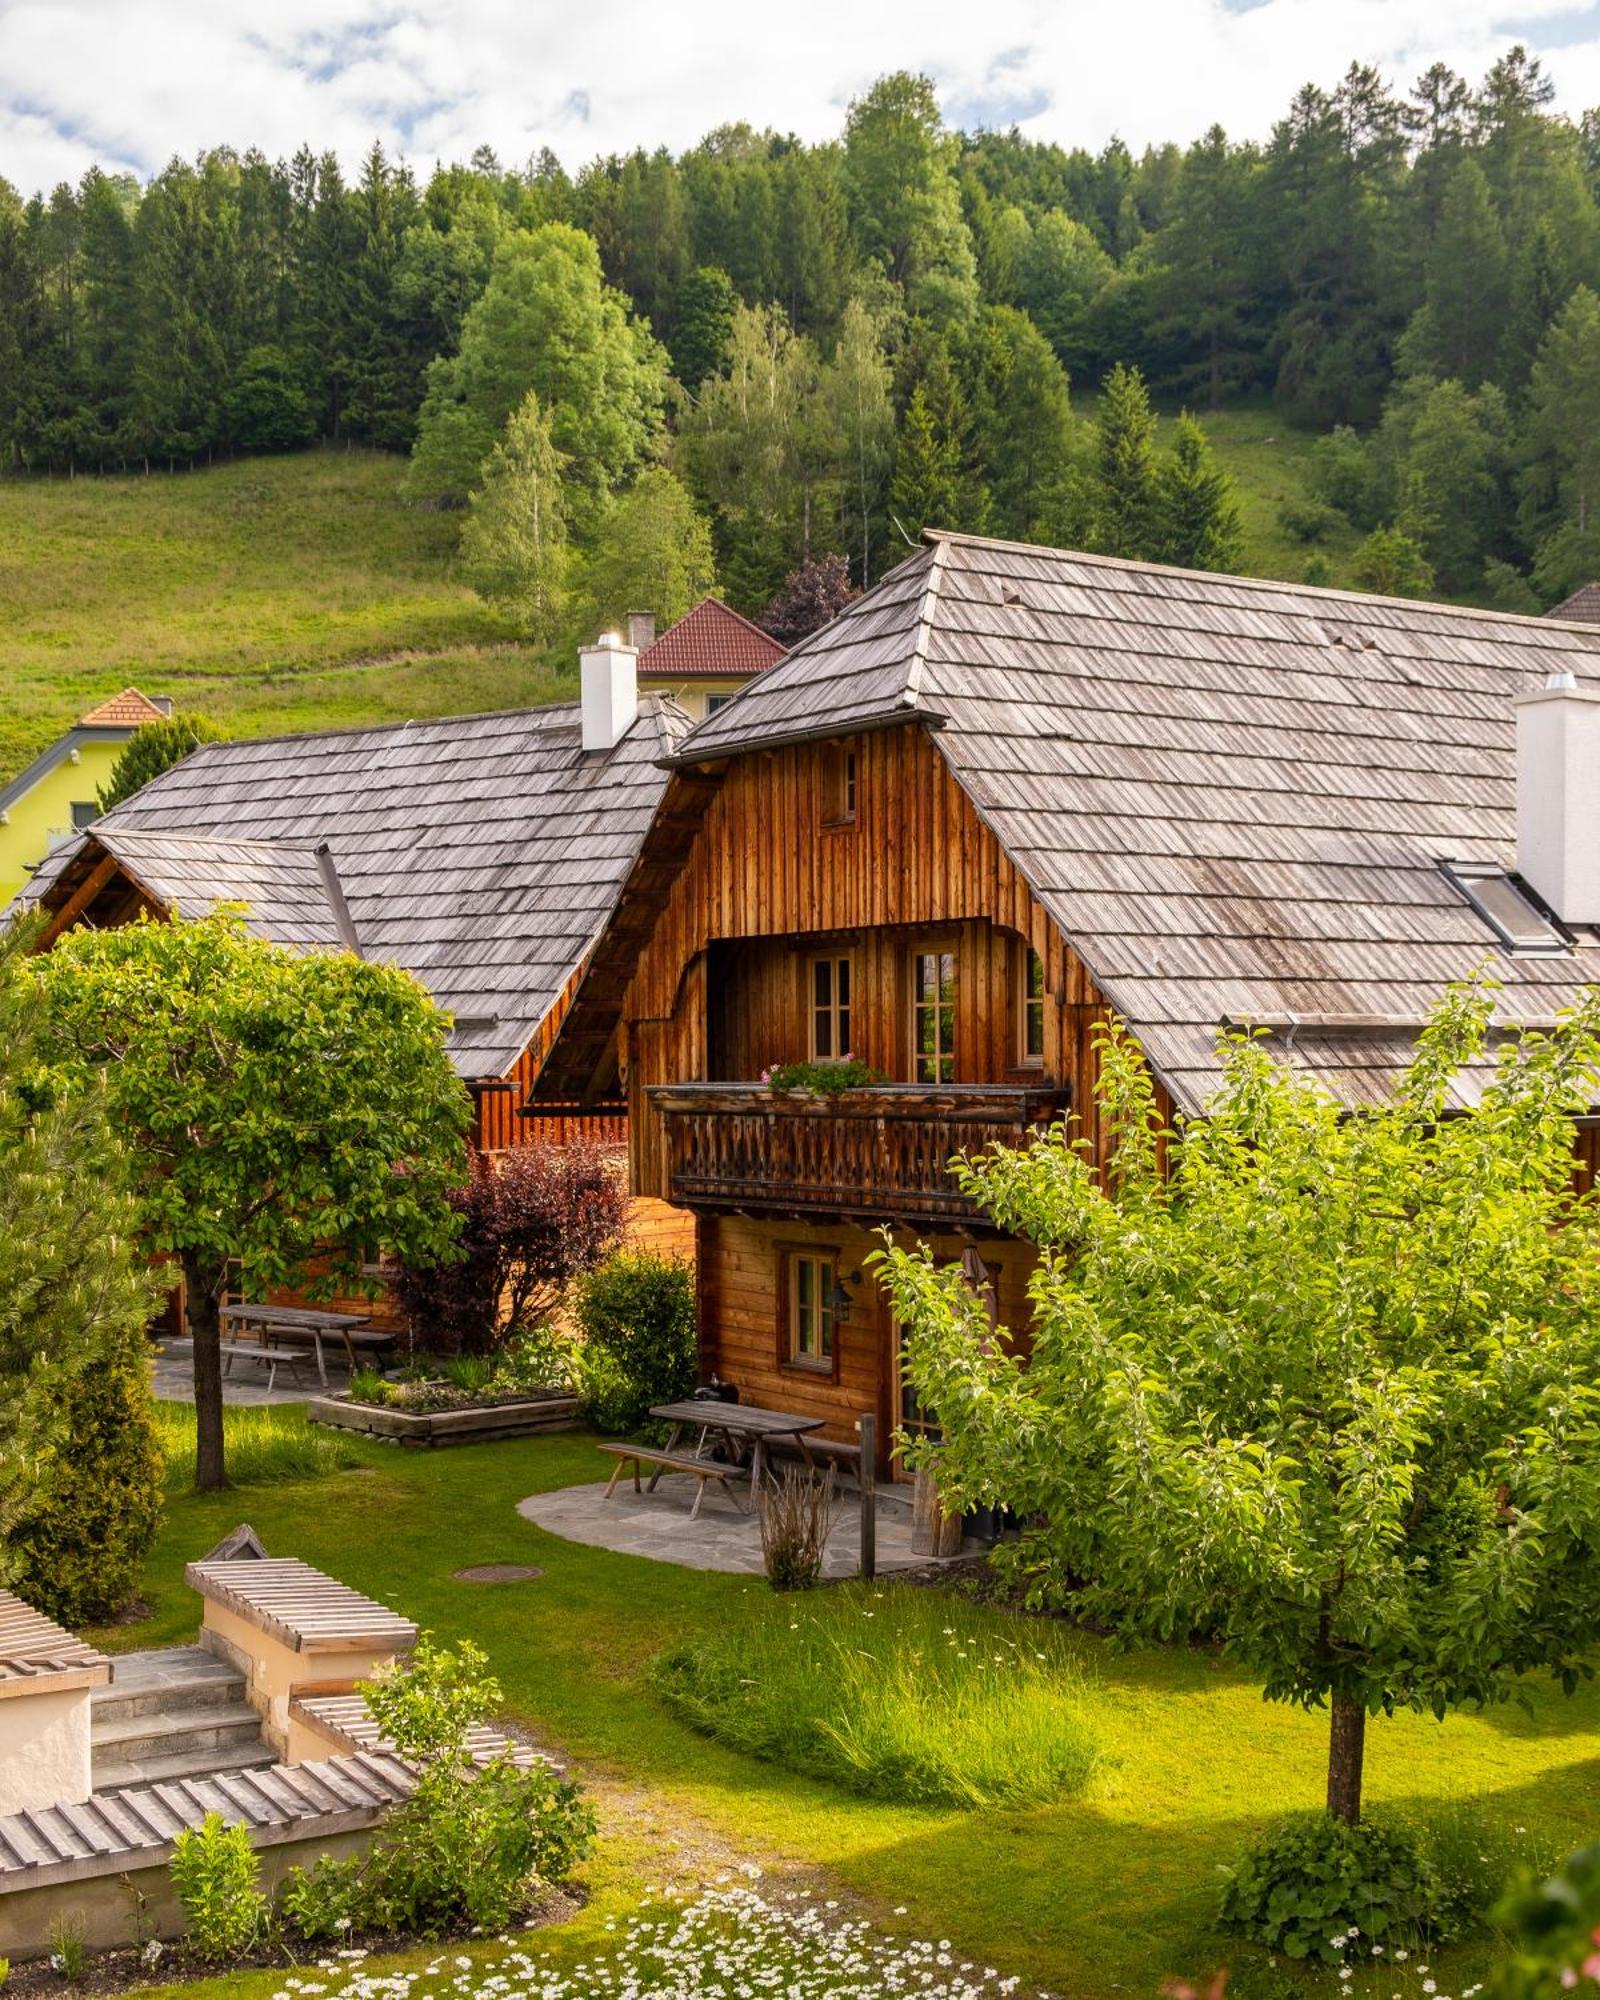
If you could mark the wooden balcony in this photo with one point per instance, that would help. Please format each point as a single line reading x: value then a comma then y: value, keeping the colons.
x: 878, y: 1154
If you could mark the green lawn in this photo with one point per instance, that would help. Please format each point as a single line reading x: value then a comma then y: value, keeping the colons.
x: 273, y: 593
x: 1105, y: 1894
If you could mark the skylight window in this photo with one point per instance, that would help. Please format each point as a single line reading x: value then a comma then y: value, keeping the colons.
x: 1507, y: 907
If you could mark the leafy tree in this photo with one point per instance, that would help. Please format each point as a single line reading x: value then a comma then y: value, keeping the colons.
x: 1126, y: 499
x: 532, y: 1220
x: 514, y: 544
x: 266, y: 407
x: 653, y: 552
x: 1318, y: 1384
x: 812, y: 596
x: 547, y: 323
x: 1392, y: 563
x: 1061, y: 271
x: 80, y: 1468
x: 905, y: 202
x: 1448, y: 454
x: 857, y: 418
x: 1196, y: 518
x: 702, y: 325
x: 289, y: 1117
x: 155, y: 747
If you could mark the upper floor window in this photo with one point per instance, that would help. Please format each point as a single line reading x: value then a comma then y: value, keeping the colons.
x: 716, y: 701
x: 839, y: 786
x: 933, y: 1017
x: 1030, y: 1024
x: 830, y: 1009
x: 808, y: 1278
x: 84, y: 813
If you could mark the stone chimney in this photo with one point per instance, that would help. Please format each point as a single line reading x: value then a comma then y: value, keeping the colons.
x: 641, y: 629
x: 1558, y: 796
x: 610, y: 677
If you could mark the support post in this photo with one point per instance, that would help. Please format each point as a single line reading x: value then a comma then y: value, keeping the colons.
x: 867, y: 1426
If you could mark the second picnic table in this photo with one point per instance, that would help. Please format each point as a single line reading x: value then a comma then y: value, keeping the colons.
x: 308, y: 1325
x: 738, y: 1425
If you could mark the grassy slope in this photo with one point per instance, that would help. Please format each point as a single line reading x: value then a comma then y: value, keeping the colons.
x: 1101, y: 1895
x: 274, y: 594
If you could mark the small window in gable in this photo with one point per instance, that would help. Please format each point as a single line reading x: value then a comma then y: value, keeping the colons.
x: 839, y: 786
x: 1507, y: 907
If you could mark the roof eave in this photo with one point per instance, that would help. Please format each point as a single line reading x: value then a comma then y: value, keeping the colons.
x: 689, y: 758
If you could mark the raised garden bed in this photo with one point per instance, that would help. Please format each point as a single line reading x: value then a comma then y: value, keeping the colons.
x: 468, y: 1423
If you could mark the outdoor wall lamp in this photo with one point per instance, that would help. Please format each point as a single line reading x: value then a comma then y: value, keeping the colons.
x: 840, y: 1303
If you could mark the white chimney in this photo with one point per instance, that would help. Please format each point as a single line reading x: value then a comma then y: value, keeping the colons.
x: 610, y: 672
x: 1558, y: 796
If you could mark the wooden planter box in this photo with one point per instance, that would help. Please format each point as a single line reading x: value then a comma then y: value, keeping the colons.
x: 468, y: 1426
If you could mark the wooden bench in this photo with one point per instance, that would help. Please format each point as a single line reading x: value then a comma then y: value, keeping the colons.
x: 821, y: 1451
x: 703, y: 1469
x: 270, y: 1358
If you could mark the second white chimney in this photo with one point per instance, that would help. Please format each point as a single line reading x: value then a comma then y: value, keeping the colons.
x: 610, y: 684
x: 1558, y: 796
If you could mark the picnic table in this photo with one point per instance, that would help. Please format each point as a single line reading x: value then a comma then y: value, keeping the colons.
x: 308, y: 1326
x: 738, y: 1426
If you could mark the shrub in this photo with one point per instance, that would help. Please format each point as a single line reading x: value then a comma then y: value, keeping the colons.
x: 638, y: 1310
x: 79, y: 1543
x: 1308, y: 520
x: 537, y: 1358
x: 898, y: 1694
x: 1474, y: 1859
x: 1554, y: 1929
x: 1312, y: 1880
x: 68, y: 1940
x: 473, y: 1842
x: 216, y: 1876
x: 531, y: 1221
x: 266, y: 404
x: 796, y: 1515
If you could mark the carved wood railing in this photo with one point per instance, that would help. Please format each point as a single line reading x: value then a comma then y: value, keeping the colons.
x: 878, y: 1153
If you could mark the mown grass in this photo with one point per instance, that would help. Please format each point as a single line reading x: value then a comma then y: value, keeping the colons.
x: 895, y: 1692
x: 267, y: 1444
x: 1101, y: 1894
x: 274, y: 594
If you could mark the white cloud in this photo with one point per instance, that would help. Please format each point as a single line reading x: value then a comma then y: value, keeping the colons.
x: 130, y: 82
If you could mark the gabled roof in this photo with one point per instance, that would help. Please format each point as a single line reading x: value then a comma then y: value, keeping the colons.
x: 709, y: 641
x: 1581, y: 608
x: 1233, y: 796
x: 128, y: 710
x: 483, y: 853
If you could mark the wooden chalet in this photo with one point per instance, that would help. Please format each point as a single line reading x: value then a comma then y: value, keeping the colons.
x: 1013, y: 788
x: 483, y: 853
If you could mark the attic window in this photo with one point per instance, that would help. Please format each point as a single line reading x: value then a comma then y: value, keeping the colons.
x: 1507, y: 907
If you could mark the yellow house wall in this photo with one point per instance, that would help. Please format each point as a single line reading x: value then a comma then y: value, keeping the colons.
x: 41, y: 817
x: 691, y: 695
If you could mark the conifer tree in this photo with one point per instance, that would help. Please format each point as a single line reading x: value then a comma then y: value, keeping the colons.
x: 1126, y: 486
x: 1196, y: 518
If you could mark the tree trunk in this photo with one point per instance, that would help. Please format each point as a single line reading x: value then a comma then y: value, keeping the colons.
x: 202, y: 1289
x: 1347, y: 1741
x: 933, y: 1531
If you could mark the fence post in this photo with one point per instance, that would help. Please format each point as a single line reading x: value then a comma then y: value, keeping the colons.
x: 868, y: 1428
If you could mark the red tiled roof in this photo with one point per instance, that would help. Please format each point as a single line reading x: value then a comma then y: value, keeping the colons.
x: 126, y: 710
x: 710, y: 640
x: 1582, y: 607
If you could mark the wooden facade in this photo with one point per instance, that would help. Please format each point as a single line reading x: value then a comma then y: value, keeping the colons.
x: 767, y: 881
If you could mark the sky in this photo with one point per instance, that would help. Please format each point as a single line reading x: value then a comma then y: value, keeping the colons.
x: 128, y: 83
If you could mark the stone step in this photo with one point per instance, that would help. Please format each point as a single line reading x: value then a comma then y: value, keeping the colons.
x: 114, y: 1777
x: 169, y: 1682
x: 133, y: 1739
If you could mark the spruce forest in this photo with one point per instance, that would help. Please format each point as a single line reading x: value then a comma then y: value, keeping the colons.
x: 764, y: 366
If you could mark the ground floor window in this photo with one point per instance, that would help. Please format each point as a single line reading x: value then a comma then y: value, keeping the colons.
x: 806, y: 1286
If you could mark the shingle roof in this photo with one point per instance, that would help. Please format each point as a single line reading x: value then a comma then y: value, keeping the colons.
x: 1582, y: 607
x: 483, y: 853
x: 129, y: 709
x: 708, y: 641
x: 1231, y: 795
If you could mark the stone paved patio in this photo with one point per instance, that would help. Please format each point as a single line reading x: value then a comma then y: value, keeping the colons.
x: 658, y: 1525
x: 172, y: 1372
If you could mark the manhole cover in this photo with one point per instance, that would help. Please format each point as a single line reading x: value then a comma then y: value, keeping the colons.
x: 498, y: 1573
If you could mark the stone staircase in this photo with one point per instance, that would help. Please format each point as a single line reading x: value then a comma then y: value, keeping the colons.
x: 176, y: 1713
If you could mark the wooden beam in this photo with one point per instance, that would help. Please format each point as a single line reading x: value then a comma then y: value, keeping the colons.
x: 80, y: 899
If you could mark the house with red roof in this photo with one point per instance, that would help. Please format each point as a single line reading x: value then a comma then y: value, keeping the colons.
x: 704, y: 659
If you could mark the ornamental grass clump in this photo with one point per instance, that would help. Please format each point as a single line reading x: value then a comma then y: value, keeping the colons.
x: 797, y: 1513
x: 900, y: 1693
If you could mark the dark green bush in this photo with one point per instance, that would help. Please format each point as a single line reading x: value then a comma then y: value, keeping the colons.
x: 636, y: 1314
x: 266, y: 405
x: 91, y: 1512
x: 155, y: 747
x: 1311, y: 1883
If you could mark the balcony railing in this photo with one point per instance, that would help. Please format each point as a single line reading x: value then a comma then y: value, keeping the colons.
x: 879, y: 1154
